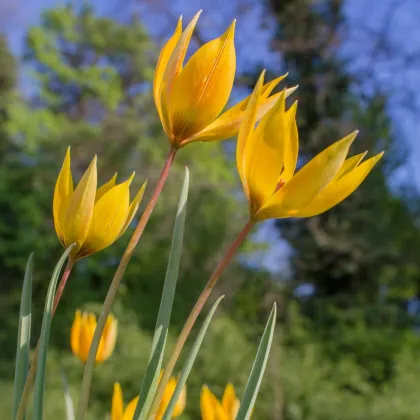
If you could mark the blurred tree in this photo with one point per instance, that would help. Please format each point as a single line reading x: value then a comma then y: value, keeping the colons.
x: 359, y: 259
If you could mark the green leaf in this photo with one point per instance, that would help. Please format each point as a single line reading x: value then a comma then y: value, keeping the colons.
x: 44, y: 338
x: 189, y: 362
x: 24, y: 335
x: 67, y: 398
x: 258, y: 369
x: 151, y: 376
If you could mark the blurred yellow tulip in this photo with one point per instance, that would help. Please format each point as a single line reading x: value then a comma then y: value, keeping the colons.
x: 82, y: 332
x: 92, y: 219
x: 190, y: 98
x: 118, y: 412
x: 213, y: 409
x: 266, y: 158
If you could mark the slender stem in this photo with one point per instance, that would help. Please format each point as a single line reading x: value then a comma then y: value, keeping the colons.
x: 192, y: 317
x: 115, y: 284
x: 32, y: 370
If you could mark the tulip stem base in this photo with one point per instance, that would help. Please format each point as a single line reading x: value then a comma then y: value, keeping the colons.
x: 32, y: 370
x: 115, y: 284
x: 195, y: 312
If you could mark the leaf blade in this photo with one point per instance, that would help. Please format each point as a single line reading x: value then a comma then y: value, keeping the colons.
x: 44, y: 338
x: 190, y: 361
x: 24, y: 335
x: 258, y: 368
x: 151, y: 377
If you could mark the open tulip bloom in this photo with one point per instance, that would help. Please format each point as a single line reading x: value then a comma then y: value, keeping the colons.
x: 91, y: 219
x: 190, y: 99
x: 118, y: 412
x: 82, y: 333
x: 213, y: 409
x: 267, y: 156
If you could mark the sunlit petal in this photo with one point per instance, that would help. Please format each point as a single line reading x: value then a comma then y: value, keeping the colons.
x: 117, y: 408
x: 349, y: 164
x: 131, y: 408
x: 106, y: 187
x: 62, y: 194
x: 80, y: 209
x: 108, y: 339
x: 229, y: 401
x: 308, y: 182
x: 202, y: 89
x: 340, y: 189
x: 207, y: 404
x: 75, y: 333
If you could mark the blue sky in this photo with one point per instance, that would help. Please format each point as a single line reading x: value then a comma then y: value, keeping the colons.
x: 398, y: 20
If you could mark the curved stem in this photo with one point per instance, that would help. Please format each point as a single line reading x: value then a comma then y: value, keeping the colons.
x: 192, y: 317
x: 115, y: 284
x: 32, y: 370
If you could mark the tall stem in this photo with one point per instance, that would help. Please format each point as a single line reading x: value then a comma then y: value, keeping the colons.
x: 115, y: 284
x: 32, y: 370
x: 192, y: 317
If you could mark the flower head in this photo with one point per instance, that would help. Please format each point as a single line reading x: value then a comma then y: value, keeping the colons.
x: 118, y: 412
x: 82, y: 332
x: 213, y: 409
x: 267, y: 156
x: 190, y: 98
x: 92, y: 219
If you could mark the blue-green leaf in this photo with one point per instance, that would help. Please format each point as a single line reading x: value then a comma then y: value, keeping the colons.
x: 258, y: 369
x: 44, y: 338
x: 151, y: 376
x: 189, y: 362
x: 67, y: 398
x: 24, y: 335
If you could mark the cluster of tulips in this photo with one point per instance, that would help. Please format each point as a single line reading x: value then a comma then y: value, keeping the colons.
x: 190, y: 99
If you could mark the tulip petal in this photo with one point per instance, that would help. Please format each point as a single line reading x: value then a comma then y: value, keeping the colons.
x: 109, y: 216
x: 208, y: 411
x: 80, y: 209
x: 246, y: 133
x: 108, y: 340
x: 105, y: 188
x: 162, y: 63
x: 87, y: 330
x: 117, y: 408
x: 340, y: 189
x: 264, y: 154
x: 181, y: 403
x: 203, y: 87
x: 62, y: 194
x: 292, y: 145
x: 308, y: 181
x: 132, y: 210
x: 75, y: 333
x: 173, y: 68
x: 349, y: 164
x: 228, y: 124
x: 131, y: 408
x: 229, y: 401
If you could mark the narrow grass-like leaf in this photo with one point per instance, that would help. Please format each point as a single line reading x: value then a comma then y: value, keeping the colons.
x: 189, y: 362
x: 67, y: 397
x: 44, y: 338
x: 151, y: 376
x: 258, y: 369
x: 24, y: 335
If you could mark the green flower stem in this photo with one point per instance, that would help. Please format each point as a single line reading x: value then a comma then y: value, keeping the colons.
x: 192, y: 317
x: 115, y: 284
x: 32, y: 370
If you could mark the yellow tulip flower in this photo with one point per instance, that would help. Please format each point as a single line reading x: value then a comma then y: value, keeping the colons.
x: 82, y: 332
x: 119, y: 413
x: 92, y: 219
x: 267, y: 157
x: 190, y: 98
x: 213, y: 409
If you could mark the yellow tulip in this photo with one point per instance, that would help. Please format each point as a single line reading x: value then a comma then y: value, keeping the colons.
x: 267, y: 156
x: 213, y: 409
x: 92, y: 219
x: 118, y: 412
x: 190, y: 98
x: 82, y: 332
